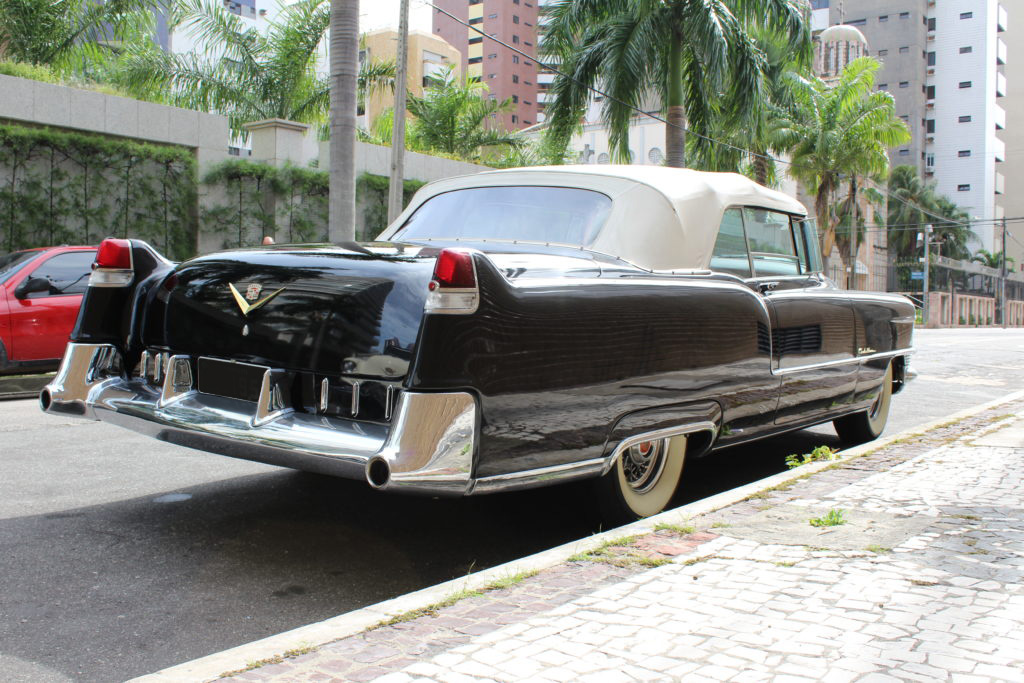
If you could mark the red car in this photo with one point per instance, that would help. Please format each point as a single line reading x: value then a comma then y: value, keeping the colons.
x: 40, y: 293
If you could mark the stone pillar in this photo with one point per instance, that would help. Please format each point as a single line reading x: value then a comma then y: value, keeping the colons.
x: 278, y: 142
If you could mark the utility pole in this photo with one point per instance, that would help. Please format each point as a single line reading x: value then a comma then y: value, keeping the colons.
x: 927, y: 267
x: 1002, y: 279
x: 852, y: 284
x: 396, y: 187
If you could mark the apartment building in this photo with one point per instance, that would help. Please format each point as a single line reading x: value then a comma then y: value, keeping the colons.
x: 944, y: 63
x: 427, y: 54
x: 507, y: 74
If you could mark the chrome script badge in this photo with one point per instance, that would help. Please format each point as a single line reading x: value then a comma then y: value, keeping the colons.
x: 251, y: 292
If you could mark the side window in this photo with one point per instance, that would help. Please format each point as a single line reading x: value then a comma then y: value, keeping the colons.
x: 67, y: 273
x: 810, y: 234
x: 772, y: 249
x: 730, y: 252
x: 801, y: 246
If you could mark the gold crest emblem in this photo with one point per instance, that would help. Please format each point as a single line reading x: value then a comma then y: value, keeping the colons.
x: 251, y: 293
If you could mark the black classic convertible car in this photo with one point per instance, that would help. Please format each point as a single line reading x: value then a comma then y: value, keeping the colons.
x: 511, y: 329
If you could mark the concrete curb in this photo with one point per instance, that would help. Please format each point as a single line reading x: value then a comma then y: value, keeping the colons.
x: 23, y: 386
x: 212, y: 666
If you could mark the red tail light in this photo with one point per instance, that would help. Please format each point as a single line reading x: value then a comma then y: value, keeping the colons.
x: 114, y: 253
x: 454, y: 269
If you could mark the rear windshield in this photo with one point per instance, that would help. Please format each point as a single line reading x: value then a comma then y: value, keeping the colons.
x: 556, y: 215
x: 12, y: 263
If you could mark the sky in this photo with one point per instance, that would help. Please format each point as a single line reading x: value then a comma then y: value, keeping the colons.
x: 375, y: 14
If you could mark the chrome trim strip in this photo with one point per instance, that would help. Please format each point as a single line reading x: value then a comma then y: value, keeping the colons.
x: 585, y: 468
x: 429, y: 447
x: 843, y: 361
x: 354, y: 409
x: 389, y: 398
x: 325, y: 387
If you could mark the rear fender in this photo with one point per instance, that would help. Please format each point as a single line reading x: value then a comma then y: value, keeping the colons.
x: 701, y: 420
x: 107, y: 314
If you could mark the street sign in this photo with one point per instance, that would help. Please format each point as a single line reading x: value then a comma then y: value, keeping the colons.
x: 917, y: 275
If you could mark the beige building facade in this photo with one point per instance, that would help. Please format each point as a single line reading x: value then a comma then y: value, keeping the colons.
x: 427, y: 55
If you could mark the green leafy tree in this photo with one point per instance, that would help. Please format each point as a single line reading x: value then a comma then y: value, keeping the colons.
x: 914, y: 203
x: 691, y: 56
x: 73, y: 36
x: 835, y: 133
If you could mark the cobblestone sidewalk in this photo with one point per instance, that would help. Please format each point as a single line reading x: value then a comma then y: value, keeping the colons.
x: 922, y: 582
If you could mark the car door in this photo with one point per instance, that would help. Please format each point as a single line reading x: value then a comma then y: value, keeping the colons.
x: 42, y: 321
x: 812, y: 320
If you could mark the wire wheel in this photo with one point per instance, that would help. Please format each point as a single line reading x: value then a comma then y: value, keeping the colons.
x: 643, y: 464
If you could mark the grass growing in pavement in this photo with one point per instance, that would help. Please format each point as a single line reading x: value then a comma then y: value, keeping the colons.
x: 834, y: 517
x: 676, y: 528
x: 276, y: 659
x: 878, y: 549
x: 818, y: 454
x: 508, y: 581
x: 606, y: 553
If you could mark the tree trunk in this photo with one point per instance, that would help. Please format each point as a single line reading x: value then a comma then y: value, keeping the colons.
x: 675, y: 129
x: 826, y: 231
x: 760, y: 164
x: 344, y: 57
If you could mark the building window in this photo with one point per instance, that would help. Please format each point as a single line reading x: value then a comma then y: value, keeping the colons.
x: 515, y: 59
x: 931, y: 23
x: 904, y: 152
x: 491, y: 75
x: 515, y: 78
x: 929, y: 92
x: 493, y: 55
x: 965, y: 119
x: 905, y: 118
x: 965, y: 84
x: 490, y: 16
x: 515, y: 119
x: 515, y: 18
x: 475, y: 60
x: 515, y: 40
x: 964, y: 153
x: 527, y: 43
x: 528, y: 102
x: 904, y: 84
x: 478, y: 20
x: 904, y: 50
x: 884, y: 17
x: 857, y: 22
x: 929, y: 126
x: 931, y: 59
x: 476, y: 40
x: 966, y: 50
x: 966, y: 187
x: 882, y: 53
x: 883, y: 86
x: 904, y: 15
x: 967, y: 15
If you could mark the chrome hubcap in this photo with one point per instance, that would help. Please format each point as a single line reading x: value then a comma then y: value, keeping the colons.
x: 642, y: 464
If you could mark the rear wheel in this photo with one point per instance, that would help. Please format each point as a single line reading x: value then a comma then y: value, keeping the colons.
x: 869, y: 424
x: 642, y: 481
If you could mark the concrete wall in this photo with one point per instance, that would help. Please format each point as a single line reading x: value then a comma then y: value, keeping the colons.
x: 34, y: 102
x: 376, y: 159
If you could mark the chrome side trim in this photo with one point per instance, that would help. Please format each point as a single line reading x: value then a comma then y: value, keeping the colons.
x: 843, y: 361
x: 583, y: 469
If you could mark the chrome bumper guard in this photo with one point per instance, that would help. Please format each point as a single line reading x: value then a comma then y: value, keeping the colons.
x: 428, y: 448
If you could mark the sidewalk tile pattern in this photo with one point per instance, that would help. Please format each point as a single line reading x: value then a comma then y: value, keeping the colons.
x: 946, y: 604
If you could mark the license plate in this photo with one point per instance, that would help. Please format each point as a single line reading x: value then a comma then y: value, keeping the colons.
x: 232, y: 380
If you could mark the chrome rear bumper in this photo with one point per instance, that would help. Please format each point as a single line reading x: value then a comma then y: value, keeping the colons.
x: 428, y: 448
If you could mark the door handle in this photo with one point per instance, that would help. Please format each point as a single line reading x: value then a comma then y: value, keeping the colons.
x: 765, y: 287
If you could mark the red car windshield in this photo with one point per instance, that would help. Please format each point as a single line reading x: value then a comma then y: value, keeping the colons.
x: 13, y: 262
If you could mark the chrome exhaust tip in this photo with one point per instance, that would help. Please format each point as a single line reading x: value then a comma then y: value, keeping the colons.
x: 378, y: 472
x: 45, y: 400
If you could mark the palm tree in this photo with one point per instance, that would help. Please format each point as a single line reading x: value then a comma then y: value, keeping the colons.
x: 73, y: 36
x: 990, y: 259
x: 687, y: 54
x: 913, y: 203
x: 243, y: 73
x: 344, y: 54
x: 453, y: 117
x: 836, y: 133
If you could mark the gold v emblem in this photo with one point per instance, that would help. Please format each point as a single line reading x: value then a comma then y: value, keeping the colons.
x: 246, y: 307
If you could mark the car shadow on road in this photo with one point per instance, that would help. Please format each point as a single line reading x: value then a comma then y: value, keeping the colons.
x: 122, y: 589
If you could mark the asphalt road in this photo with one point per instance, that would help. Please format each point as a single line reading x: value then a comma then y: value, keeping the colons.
x: 120, y: 555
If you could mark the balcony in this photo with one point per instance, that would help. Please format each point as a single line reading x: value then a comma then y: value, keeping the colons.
x: 1000, y: 18
x: 999, y: 150
x: 1000, y: 52
x: 999, y: 116
x: 1000, y: 183
x: 1000, y: 85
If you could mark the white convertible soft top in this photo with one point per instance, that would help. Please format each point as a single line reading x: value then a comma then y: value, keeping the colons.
x: 661, y: 219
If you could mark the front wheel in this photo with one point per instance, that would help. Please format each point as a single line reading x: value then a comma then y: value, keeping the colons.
x: 642, y: 481
x: 869, y: 424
